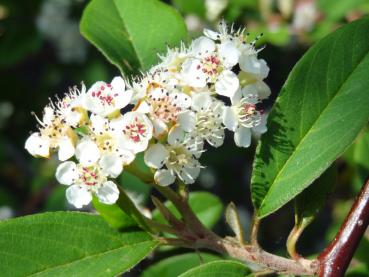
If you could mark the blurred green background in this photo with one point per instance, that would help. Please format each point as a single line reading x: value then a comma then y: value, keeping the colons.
x: 43, y: 54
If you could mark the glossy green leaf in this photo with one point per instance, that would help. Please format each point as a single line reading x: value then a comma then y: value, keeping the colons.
x: 361, y: 151
x: 131, y: 33
x: 322, y: 107
x: 218, y: 269
x: 190, y: 6
x: 205, y: 205
x: 312, y: 199
x: 176, y: 265
x: 69, y: 244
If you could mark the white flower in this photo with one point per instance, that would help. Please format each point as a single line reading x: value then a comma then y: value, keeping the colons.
x: 204, y: 121
x: 224, y: 34
x: 70, y: 107
x: 244, y: 116
x: 163, y: 108
x: 178, y: 158
x: 172, y: 60
x: 53, y: 133
x: 135, y: 130
x: 110, y: 144
x: 211, y: 63
x: 84, y: 181
x: 106, y: 99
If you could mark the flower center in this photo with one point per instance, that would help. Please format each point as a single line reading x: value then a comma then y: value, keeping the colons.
x: 104, y: 94
x: 210, y: 65
x: 135, y: 130
x: 178, y: 158
x: 248, y: 115
x: 89, y: 176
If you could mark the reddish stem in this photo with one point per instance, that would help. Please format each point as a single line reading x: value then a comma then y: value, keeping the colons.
x: 335, y: 259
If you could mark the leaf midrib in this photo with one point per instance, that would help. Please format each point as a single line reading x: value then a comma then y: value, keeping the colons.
x: 90, y: 256
x: 308, y: 132
x: 130, y: 38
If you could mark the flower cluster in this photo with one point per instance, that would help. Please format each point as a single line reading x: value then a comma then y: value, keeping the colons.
x: 176, y: 109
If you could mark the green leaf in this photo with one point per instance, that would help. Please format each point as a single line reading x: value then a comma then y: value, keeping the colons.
x: 322, y: 107
x: 218, y: 269
x: 123, y: 213
x: 69, y: 244
x: 114, y: 215
x: 176, y: 265
x: 312, y: 199
x: 206, y: 206
x: 361, y: 151
x: 191, y: 6
x: 131, y: 33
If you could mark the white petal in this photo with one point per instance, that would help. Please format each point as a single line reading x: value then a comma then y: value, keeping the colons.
x: 73, y: 118
x: 159, y: 127
x: 98, y: 124
x: 242, y: 137
x: 189, y: 174
x: 192, y: 75
x: 261, y: 128
x: 202, y: 45
x: 78, y: 196
x: 49, y: 115
x: 229, y: 54
x: 108, y: 193
x: 87, y: 152
x: 263, y: 89
x: 126, y: 156
x: 187, y: 120
x: 211, y: 34
x: 201, y: 100
x: 67, y: 173
x: 181, y: 100
x: 38, y: 146
x: 216, y: 139
x: 176, y: 135
x: 144, y: 107
x: 164, y: 177
x: 249, y: 90
x: 237, y: 96
x: 66, y: 149
x: 122, y: 99
x: 118, y: 84
x: 117, y: 125
x: 230, y: 118
x: 156, y: 155
x: 227, y: 83
x: 111, y: 165
x: 251, y: 64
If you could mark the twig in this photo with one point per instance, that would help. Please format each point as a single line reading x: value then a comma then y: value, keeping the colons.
x: 255, y: 231
x: 335, y: 259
